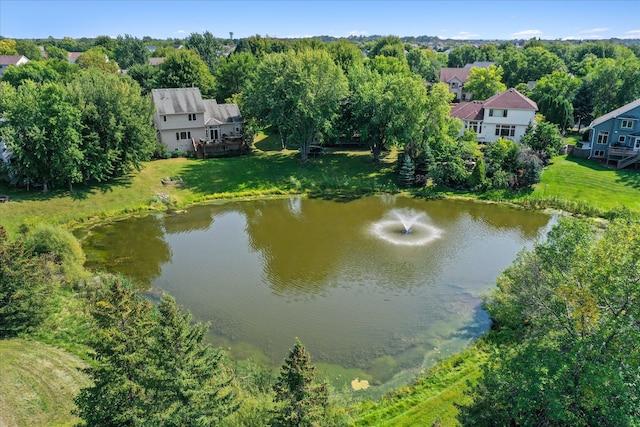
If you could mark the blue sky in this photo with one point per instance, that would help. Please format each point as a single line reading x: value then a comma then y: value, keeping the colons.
x: 470, y: 19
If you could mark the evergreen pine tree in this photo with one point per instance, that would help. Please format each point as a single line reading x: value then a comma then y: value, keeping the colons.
x: 122, y: 326
x: 188, y: 384
x: 406, y: 176
x: 478, y: 176
x: 300, y: 399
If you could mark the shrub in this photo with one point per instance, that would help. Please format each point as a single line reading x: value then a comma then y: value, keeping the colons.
x: 63, y: 248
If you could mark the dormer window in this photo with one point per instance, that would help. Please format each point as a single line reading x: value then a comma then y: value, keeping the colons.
x: 626, y: 124
x: 192, y: 117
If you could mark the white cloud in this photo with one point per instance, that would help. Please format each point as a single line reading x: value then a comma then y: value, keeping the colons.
x: 633, y: 34
x: 526, y: 34
x: 357, y: 33
x: 594, y: 30
x: 584, y: 37
x: 462, y: 35
x: 181, y: 32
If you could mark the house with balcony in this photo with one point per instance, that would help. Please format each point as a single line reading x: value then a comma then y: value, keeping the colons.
x: 187, y: 122
x: 615, y: 137
x: 505, y: 115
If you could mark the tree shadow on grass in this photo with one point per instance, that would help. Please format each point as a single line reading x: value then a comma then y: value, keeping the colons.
x: 629, y: 177
x: 78, y: 191
x: 333, y: 175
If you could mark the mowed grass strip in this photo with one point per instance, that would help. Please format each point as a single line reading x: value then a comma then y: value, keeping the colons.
x: 586, y: 181
x: 433, y: 397
x: 37, y: 384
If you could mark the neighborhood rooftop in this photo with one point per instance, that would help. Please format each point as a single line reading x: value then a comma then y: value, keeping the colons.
x: 178, y: 101
x: 615, y: 113
x: 511, y: 99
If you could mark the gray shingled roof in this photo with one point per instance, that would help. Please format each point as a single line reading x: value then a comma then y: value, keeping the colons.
x: 221, y: 113
x: 615, y: 113
x: 178, y: 101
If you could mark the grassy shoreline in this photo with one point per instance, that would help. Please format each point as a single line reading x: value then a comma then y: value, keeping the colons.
x: 577, y: 186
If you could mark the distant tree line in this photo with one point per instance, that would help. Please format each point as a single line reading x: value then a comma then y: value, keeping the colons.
x: 383, y: 92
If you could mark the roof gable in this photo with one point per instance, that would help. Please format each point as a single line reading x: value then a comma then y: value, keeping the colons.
x: 510, y: 99
x: 13, y: 59
x: 178, y: 100
x: 468, y: 110
x: 217, y: 114
x: 448, y: 74
x: 615, y: 113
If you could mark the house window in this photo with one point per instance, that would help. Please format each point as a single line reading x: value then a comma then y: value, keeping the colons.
x: 475, y: 126
x: 622, y: 139
x: 177, y: 136
x: 164, y: 118
x: 505, y: 130
x: 626, y: 124
x: 603, y: 137
x: 497, y: 113
x: 184, y: 135
x: 192, y: 117
x: 598, y: 153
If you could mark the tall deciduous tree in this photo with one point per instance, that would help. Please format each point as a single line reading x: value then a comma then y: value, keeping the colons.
x: 346, y: 54
x: 299, y: 93
x: 425, y: 63
x: 485, y: 82
x: 130, y: 50
x: 184, y: 68
x: 207, y: 47
x: 97, y: 58
x: 554, y: 94
x: 42, y: 132
x: 233, y: 74
x: 565, y: 332
x: 300, y: 399
x: 118, y: 134
x: 388, y: 109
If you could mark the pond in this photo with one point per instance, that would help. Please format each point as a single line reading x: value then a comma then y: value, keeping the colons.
x: 377, y: 288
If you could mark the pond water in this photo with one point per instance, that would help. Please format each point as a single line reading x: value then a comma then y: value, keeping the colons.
x: 375, y: 288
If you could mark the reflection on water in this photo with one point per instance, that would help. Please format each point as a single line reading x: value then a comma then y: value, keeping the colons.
x: 264, y: 272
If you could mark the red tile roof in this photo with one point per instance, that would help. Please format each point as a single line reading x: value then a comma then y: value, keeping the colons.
x: 468, y: 110
x: 448, y: 74
x: 510, y: 99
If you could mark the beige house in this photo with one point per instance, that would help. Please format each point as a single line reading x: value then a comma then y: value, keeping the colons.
x: 455, y: 78
x: 505, y: 115
x: 183, y: 119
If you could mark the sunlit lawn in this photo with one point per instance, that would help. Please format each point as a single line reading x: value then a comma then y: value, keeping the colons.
x: 588, y: 181
x: 262, y: 173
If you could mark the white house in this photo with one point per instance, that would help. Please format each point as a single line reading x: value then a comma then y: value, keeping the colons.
x: 7, y: 60
x: 505, y: 115
x: 182, y: 119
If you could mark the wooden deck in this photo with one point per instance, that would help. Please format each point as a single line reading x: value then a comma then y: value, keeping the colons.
x: 226, y: 147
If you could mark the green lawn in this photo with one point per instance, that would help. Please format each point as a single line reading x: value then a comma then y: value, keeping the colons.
x: 432, y: 398
x: 587, y: 181
x: 263, y: 173
x: 37, y: 384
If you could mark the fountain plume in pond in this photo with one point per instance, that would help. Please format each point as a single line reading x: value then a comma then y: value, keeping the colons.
x: 406, y: 227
